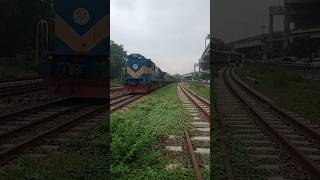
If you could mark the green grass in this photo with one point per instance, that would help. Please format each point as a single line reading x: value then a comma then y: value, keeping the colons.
x: 136, y: 135
x: 294, y: 92
x: 82, y: 158
x: 115, y: 83
x: 17, y: 67
x: 200, y: 89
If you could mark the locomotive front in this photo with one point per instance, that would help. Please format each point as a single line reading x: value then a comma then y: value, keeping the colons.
x: 77, y: 67
x: 139, y: 74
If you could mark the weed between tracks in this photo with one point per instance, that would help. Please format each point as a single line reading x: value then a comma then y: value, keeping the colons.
x: 294, y: 93
x: 136, y: 133
x: 200, y: 89
x: 243, y: 166
x: 81, y: 158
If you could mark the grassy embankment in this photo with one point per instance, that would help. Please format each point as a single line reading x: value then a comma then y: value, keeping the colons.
x: 293, y: 92
x: 200, y: 89
x: 81, y: 158
x: 137, y: 133
x: 17, y: 68
x: 115, y: 83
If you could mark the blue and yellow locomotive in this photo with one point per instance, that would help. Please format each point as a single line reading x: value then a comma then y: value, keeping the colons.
x: 142, y: 75
x: 78, y: 65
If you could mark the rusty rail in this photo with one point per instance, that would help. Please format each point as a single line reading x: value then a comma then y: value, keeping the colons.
x: 194, y: 159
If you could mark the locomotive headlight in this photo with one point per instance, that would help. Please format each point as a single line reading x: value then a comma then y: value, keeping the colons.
x: 135, y: 67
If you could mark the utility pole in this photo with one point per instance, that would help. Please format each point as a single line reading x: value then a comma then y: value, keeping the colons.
x: 245, y: 30
x: 199, y: 69
x: 286, y: 27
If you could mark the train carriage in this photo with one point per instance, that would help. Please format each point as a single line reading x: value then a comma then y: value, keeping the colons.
x: 77, y: 67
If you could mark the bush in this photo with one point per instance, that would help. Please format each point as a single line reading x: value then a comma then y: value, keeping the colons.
x: 280, y: 80
x: 296, y: 77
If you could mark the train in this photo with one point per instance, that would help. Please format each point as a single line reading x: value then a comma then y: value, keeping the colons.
x: 78, y: 64
x: 142, y: 75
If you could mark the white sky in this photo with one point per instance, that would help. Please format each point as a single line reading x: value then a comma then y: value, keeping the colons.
x: 170, y: 32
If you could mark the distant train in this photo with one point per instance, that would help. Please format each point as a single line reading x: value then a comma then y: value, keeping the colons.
x: 143, y: 75
x: 78, y: 64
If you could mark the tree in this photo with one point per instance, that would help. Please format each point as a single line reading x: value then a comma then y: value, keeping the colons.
x: 219, y: 44
x: 118, y: 58
x: 205, y: 76
x: 18, y: 20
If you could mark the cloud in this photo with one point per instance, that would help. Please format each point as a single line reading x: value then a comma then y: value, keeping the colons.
x: 170, y: 32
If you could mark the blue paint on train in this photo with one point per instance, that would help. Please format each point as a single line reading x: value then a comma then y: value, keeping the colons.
x: 142, y: 74
x: 81, y: 17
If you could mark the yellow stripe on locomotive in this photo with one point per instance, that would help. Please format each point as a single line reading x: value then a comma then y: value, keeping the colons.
x: 139, y: 73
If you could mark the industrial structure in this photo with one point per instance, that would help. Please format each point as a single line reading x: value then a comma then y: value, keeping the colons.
x: 304, y: 19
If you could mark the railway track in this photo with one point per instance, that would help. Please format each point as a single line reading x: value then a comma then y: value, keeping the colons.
x: 39, y: 130
x: 20, y: 87
x: 14, y: 88
x: 17, y: 94
x: 122, y: 100
x: 25, y: 128
x: 285, y: 147
x: 116, y: 89
x: 197, y: 141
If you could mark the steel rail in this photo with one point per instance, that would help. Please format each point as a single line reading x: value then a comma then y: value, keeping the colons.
x: 195, y: 103
x: 46, y: 118
x: 314, y: 134
x: 297, y: 154
x: 10, y: 115
x: 194, y: 159
x: 5, y: 155
x: 121, y: 103
x: 197, y: 96
x: 188, y: 142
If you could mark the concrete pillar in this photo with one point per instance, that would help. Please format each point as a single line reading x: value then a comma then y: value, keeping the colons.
x: 271, y: 29
x: 286, y: 29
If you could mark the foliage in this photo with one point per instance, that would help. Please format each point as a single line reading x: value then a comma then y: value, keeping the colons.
x: 117, y: 60
x: 115, y: 83
x: 19, y: 19
x: 200, y: 89
x: 22, y: 64
x: 82, y: 158
x: 135, y: 153
x: 205, y: 76
x: 18, y: 24
x: 219, y: 44
x: 293, y: 92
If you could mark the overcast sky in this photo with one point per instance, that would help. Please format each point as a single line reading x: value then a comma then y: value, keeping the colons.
x: 170, y: 32
x: 237, y: 19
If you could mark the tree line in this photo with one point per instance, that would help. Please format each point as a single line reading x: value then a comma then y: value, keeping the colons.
x: 118, y: 58
x: 18, y: 20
